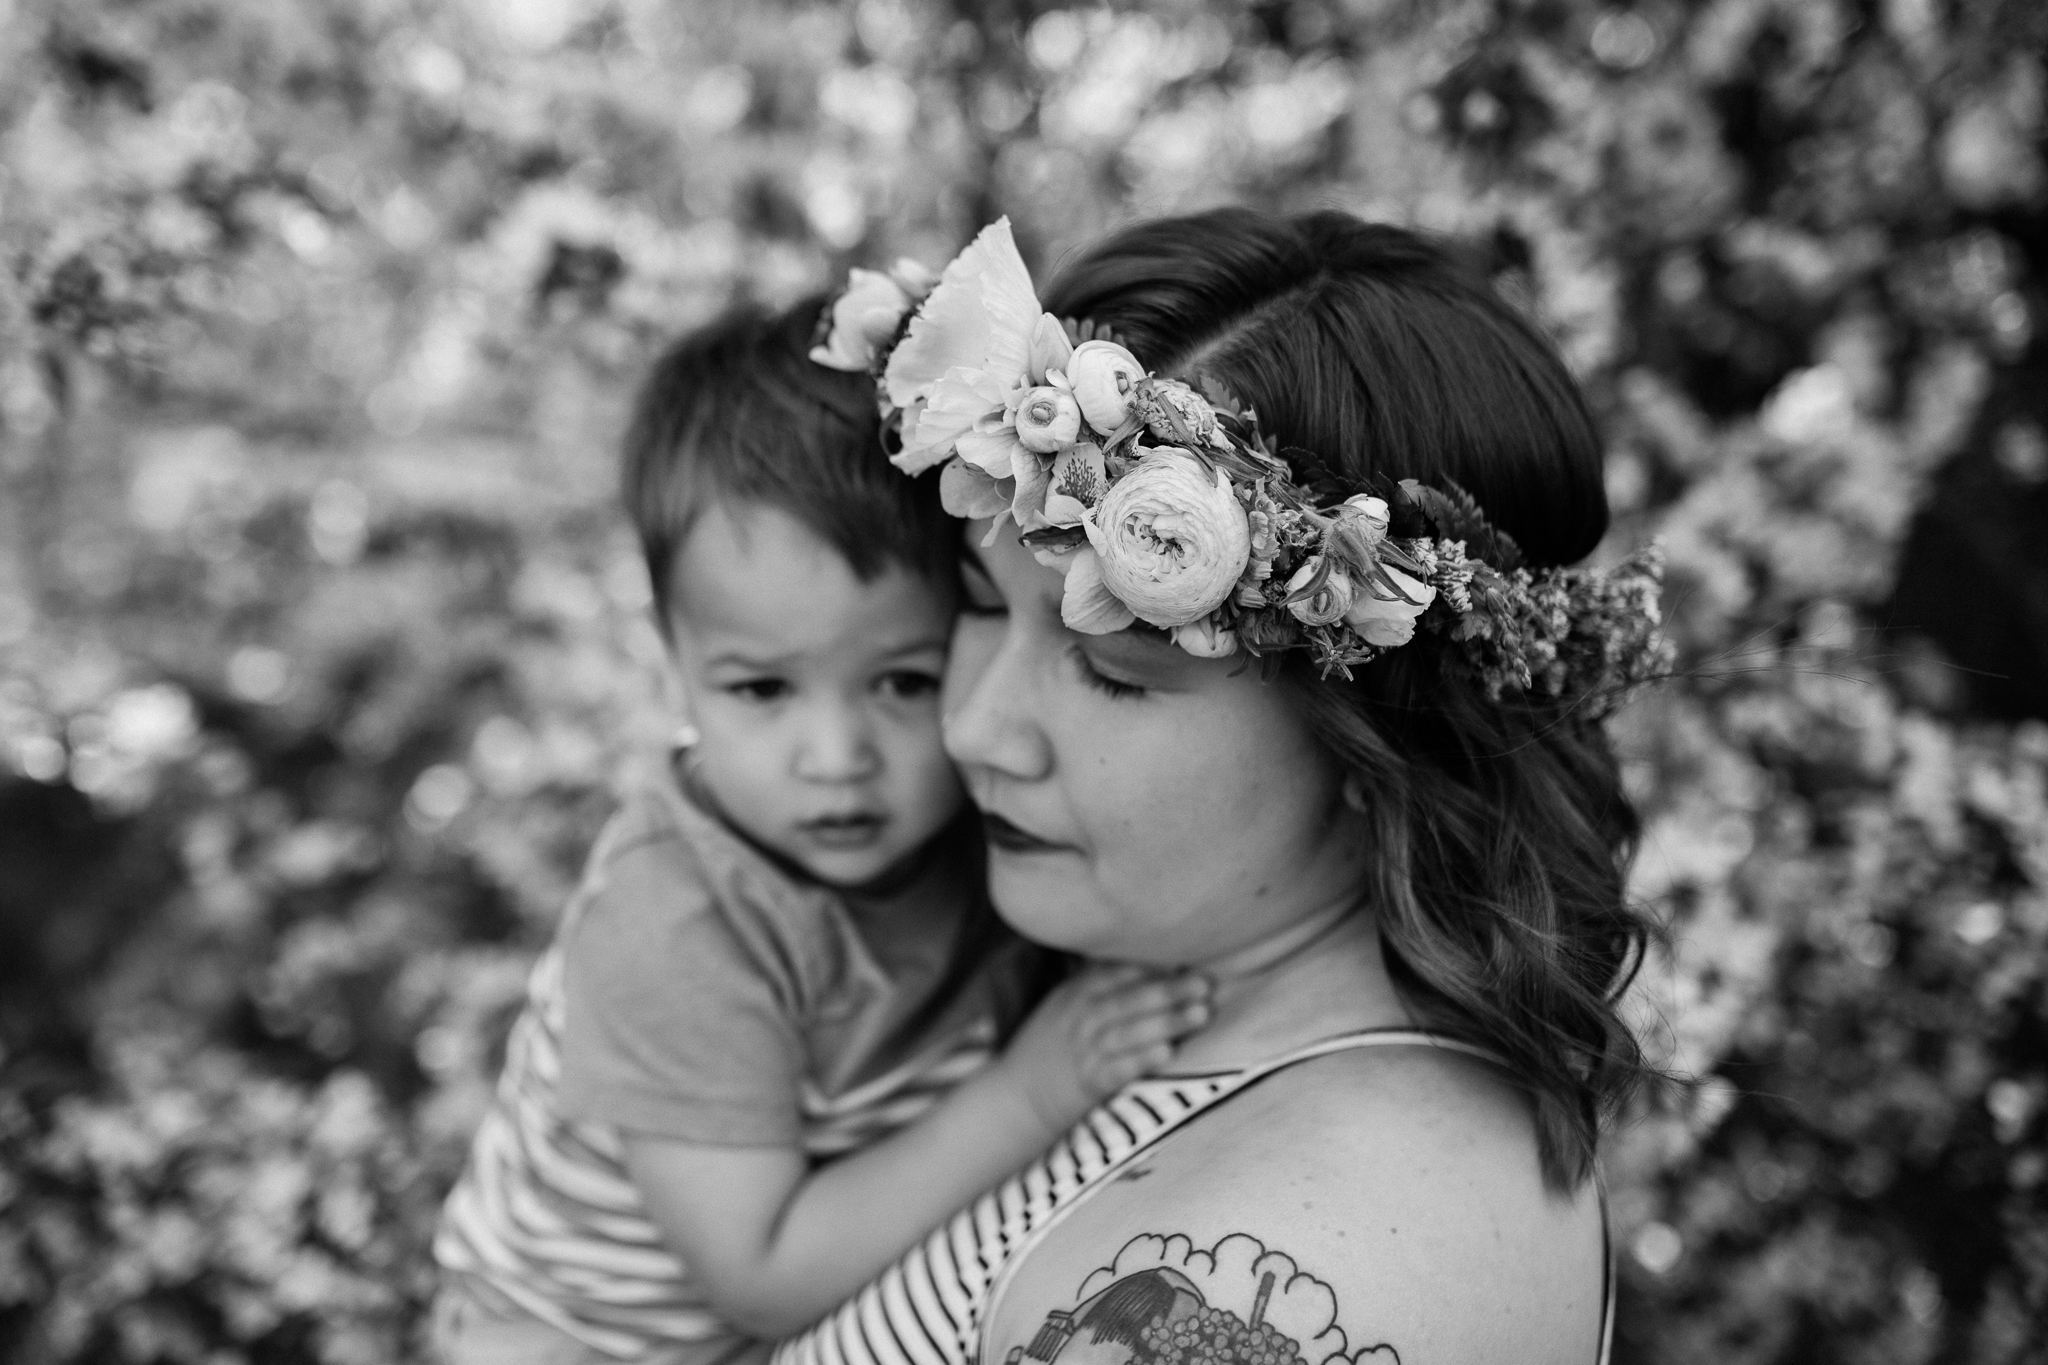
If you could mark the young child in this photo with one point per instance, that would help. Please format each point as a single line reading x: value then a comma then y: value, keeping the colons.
x: 760, y: 1059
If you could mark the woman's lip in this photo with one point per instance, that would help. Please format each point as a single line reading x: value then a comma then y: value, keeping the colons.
x: 1012, y: 838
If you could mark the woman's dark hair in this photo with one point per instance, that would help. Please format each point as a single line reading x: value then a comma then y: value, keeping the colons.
x: 1502, y: 835
x: 737, y: 410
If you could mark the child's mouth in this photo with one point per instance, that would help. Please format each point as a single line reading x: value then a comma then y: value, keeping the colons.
x: 844, y: 831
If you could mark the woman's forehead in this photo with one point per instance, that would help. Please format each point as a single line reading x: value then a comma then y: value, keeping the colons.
x: 1027, y: 584
x: 1009, y: 563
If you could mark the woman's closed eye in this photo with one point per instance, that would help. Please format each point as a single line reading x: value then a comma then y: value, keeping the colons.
x: 1102, y: 682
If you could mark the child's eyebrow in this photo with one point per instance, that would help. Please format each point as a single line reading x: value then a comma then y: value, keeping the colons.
x: 734, y: 659
x: 919, y: 645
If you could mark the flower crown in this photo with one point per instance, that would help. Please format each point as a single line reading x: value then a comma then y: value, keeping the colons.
x: 1168, y: 506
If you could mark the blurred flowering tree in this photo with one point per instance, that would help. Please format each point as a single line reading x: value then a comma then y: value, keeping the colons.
x: 318, y: 637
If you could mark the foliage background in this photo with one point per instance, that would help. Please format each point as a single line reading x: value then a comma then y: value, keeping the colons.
x: 318, y: 633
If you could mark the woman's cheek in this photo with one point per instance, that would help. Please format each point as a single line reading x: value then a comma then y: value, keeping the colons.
x: 1142, y: 804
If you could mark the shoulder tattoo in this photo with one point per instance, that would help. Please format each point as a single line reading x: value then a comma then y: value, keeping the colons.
x: 1166, y: 1301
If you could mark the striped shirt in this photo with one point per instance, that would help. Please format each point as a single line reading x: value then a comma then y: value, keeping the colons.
x: 933, y: 1305
x: 695, y: 991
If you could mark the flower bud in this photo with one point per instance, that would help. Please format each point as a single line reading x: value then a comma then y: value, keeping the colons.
x: 1388, y: 621
x: 1205, y: 639
x: 1103, y: 375
x: 1373, y: 510
x: 1327, y: 603
x: 1047, y: 420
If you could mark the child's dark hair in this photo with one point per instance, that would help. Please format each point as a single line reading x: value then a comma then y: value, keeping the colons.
x: 1501, y: 834
x: 737, y: 410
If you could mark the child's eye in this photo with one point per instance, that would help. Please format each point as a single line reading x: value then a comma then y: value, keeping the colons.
x: 759, y: 689
x: 909, y: 684
x: 1102, y: 682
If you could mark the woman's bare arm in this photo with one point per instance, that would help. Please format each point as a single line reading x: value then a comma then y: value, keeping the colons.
x: 1380, y: 1208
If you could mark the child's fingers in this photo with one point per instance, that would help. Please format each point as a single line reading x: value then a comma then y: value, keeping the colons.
x: 1113, y: 1071
x: 1101, y: 980
x: 1153, y: 996
x: 1137, y: 1034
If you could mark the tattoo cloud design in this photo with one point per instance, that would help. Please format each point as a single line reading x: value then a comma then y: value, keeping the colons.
x: 1165, y: 1301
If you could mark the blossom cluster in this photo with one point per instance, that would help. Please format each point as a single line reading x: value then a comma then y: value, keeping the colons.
x: 1215, y: 1336
x: 1166, y: 505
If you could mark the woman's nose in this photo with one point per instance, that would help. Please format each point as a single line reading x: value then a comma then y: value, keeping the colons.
x: 988, y: 726
x: 837, y: 745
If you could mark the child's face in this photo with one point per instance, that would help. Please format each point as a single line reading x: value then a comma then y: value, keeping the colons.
x: 816, y: 696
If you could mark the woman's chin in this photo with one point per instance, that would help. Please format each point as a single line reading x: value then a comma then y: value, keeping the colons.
x: 1048, y: 905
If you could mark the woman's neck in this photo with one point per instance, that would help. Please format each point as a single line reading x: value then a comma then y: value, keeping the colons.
x: 1322, y: 976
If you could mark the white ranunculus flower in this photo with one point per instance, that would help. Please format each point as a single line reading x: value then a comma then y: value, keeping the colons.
x: 1172, y: 538
x: 1047, y: 419
x: 1103, y: 374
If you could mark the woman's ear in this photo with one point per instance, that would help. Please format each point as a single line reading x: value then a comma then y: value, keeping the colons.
x: 1354, y: 792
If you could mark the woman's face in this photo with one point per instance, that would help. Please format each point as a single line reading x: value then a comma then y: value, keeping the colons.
x: 1141, y: 804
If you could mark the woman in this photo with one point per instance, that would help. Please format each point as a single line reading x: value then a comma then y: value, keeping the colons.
x: 1408, y: 891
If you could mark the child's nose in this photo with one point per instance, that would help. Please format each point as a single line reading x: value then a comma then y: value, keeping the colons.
x: 837, y: 746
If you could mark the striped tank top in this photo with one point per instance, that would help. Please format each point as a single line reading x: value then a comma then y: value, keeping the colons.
x: 931, y: 1307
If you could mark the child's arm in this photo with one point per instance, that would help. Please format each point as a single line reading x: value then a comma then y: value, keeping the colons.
x: 777, y: 1244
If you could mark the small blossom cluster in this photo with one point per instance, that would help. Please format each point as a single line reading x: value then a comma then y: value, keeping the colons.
x: 1214, y: 1336
x: 1590, y: 635
x: 1166, y: 505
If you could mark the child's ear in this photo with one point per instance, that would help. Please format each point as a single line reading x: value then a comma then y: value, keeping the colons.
x: 679, y: 703
x: 676, y: 702
x: 684, y: 734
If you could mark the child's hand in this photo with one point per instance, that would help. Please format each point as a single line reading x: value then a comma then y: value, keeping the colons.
x: 1099, y: 1030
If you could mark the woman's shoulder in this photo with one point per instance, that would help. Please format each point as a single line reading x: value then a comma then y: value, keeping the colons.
x: 1384, y: 1204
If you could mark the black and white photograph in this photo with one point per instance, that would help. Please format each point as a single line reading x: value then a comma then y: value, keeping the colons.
x: 1023, y: 682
